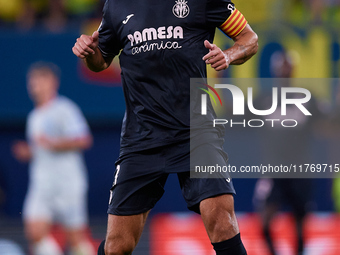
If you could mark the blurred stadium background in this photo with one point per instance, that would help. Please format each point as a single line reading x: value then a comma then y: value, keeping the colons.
x: 32, y: 30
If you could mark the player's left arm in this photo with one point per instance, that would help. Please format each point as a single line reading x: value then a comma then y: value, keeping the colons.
x: 66, y: 144
x: 245, y: 46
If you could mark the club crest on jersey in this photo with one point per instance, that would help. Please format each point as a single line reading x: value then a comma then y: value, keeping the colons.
x: 181, y: 9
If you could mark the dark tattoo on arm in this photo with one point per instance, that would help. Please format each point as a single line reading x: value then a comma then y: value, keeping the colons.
x: 244, y: 52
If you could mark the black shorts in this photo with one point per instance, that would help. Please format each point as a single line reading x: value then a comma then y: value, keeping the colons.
x: 140, y: 178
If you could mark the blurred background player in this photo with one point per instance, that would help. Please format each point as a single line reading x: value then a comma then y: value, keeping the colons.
x: 57, y: 132
x: 285, y: 146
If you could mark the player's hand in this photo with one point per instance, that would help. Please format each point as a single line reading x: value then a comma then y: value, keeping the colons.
x: 86, y: 45
x: 21, y: 151
x: 216, y: 57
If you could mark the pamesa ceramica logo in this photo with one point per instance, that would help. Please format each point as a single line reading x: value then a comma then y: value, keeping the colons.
x: 288, y: 100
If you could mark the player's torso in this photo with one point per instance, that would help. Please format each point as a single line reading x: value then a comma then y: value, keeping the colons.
x: 162, y: 48
x: 48, y: 122
x: 152, y: 29
x: 45, y: 121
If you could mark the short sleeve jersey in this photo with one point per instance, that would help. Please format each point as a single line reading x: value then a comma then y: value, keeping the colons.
x: 161, y: 45
x: 60, y: 118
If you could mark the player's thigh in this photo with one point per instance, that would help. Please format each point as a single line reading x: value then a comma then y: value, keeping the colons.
x: 37, y: 213
x: 36, y: 230
x: 123, y: 232
x: 77, y: 236
x: 138, y: 183
x: 219, y: 217
x: 38, y: 204
x: 195, y: 190
x: 213, y: 199
x: 71, y: 209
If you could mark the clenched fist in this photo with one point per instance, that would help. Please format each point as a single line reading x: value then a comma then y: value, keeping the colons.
x: 86, y: 45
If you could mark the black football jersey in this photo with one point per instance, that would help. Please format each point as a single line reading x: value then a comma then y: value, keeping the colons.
x: 161, y: 48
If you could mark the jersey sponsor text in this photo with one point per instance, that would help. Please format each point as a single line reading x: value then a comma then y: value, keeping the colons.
x: 150, y: 34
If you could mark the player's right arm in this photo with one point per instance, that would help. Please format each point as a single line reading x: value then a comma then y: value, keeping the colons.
x: 224, y: 15
x: 86, y: 48
x: 21, y: 151
x: 99, y: 49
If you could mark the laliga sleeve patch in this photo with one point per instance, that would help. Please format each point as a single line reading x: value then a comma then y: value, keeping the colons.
x: 234, y: 24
